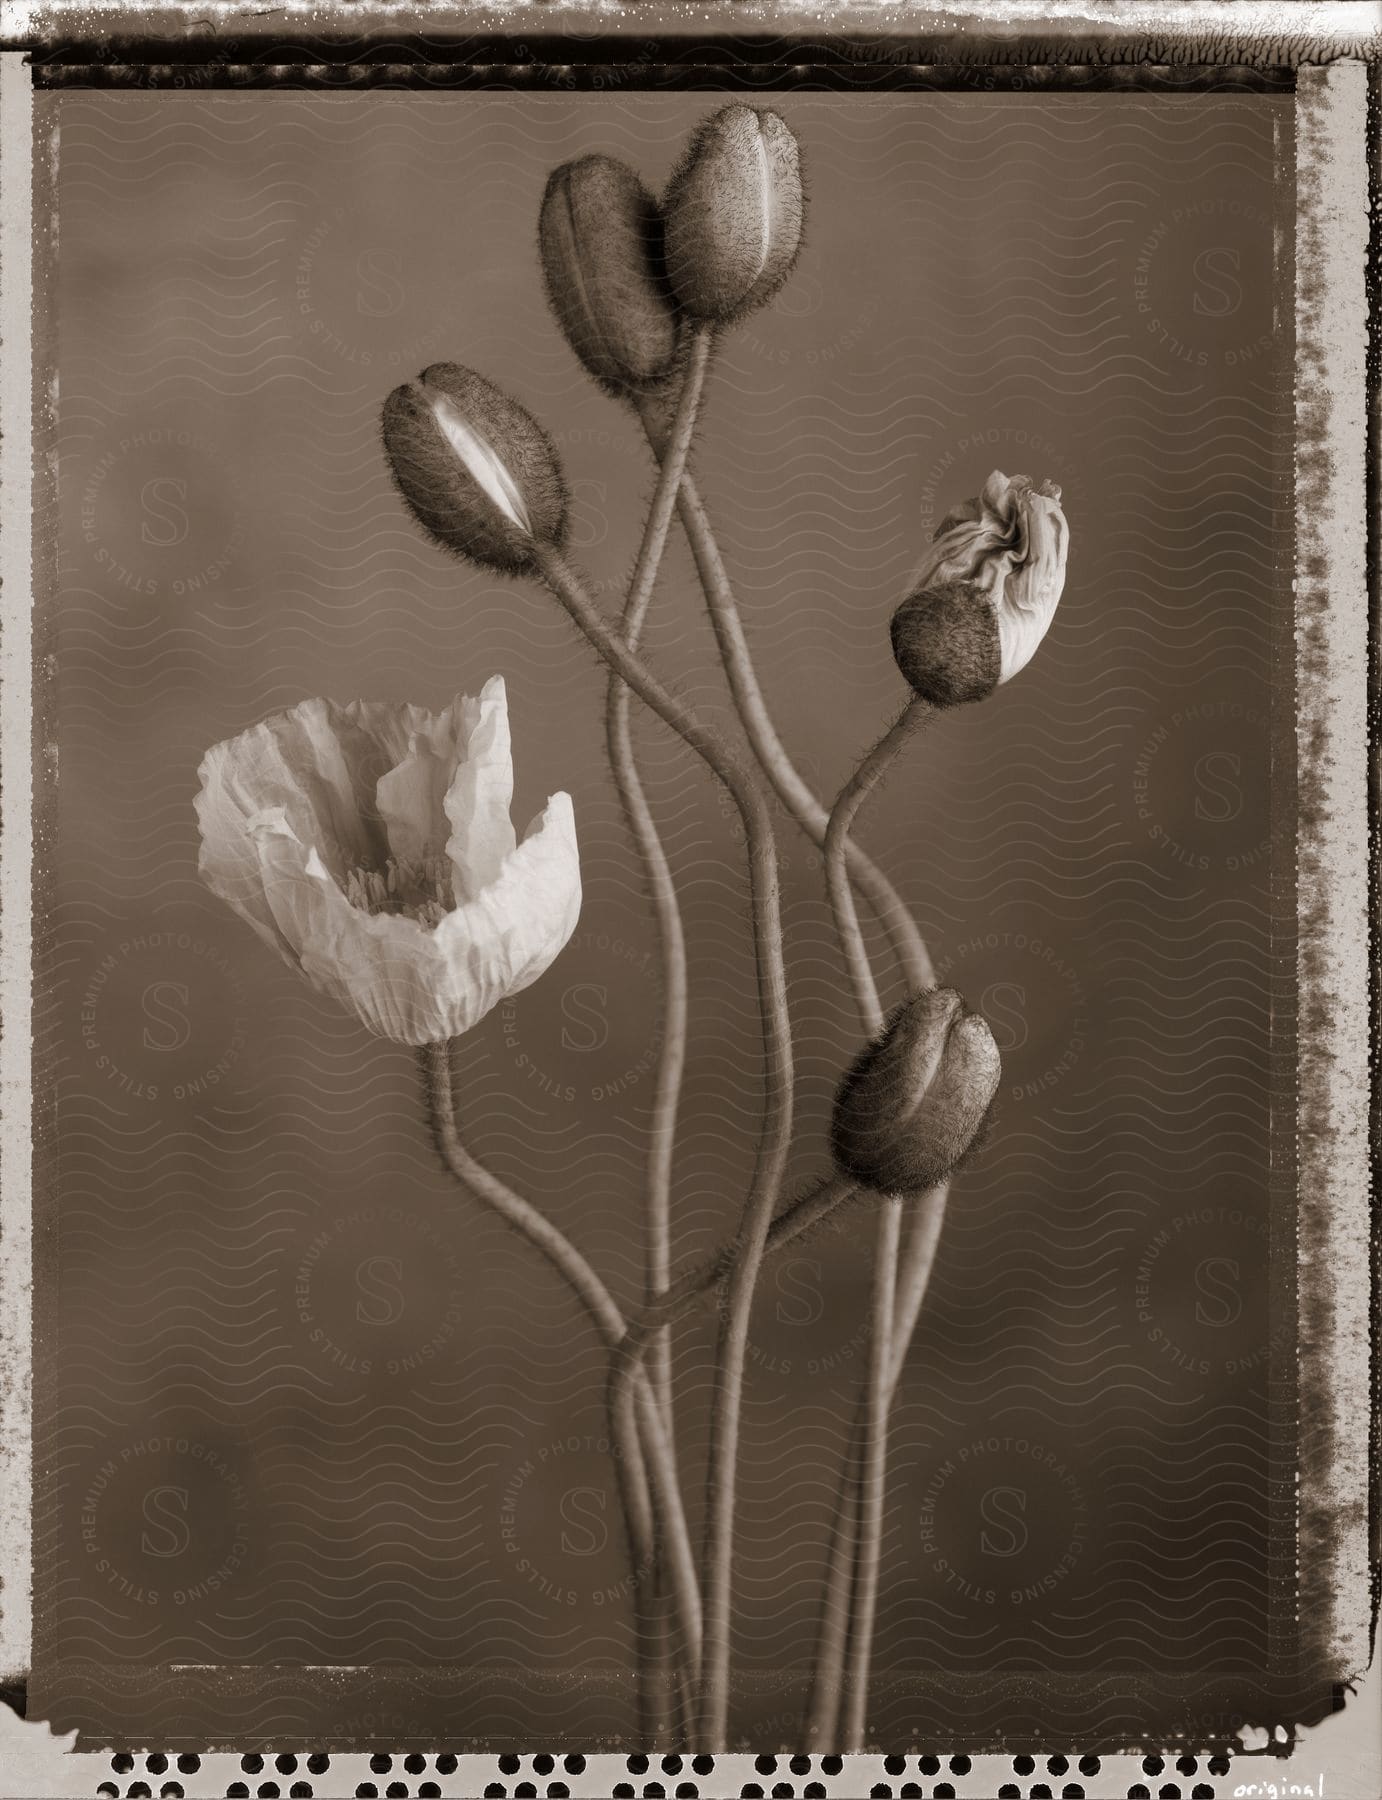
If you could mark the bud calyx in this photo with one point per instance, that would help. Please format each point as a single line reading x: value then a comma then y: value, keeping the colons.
x: 734, y: 212
x: 600, y: 234
x: 914, y: 1100
x: 476, y: 469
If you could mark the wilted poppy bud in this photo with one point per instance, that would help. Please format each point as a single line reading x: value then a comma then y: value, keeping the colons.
x: 984, y: 597
x: 913, y: 1102
x: 733, y: 211
x: 600, y: 234
x: 477, y: 470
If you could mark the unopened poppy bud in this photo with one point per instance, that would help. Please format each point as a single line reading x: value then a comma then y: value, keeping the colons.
x: 734, y: 211
x: 986, y: 593
x: 913, y: 1103
x: 477, y: 470
x: 600, y: 234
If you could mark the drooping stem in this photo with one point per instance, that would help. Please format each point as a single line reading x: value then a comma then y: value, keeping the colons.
x: 774, y: 1138
x: 643, y: 1458
x: 837, y: 839
x: 671, y: 944
x: 903, y: 935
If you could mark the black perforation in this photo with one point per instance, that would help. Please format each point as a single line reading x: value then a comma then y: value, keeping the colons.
x: 544, y: 1776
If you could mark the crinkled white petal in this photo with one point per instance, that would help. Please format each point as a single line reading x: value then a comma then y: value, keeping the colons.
x: 413, y: 983
x: 1032, y: 591
x: 410, y: 801
x: 290, y: 809
x: 971, y: 536
x: 309, y: 763
x: 394, y: 727
x: 322, y: 763
x: 1011, y: 543
x: 481, y: 792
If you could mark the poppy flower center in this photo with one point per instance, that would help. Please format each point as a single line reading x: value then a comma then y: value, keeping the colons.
x: 420, y: 890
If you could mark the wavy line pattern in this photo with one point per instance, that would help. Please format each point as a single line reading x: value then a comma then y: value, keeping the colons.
x: 300, y: 1402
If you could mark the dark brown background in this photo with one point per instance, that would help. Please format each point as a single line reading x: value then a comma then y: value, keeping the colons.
x: 298, y: 1401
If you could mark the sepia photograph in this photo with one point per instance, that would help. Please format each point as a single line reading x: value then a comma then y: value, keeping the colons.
x: 686, y: 898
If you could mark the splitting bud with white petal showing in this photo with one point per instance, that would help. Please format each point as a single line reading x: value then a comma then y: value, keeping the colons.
x: 915, y: 1099
x: 476, y: 469
x: 984, y: 597
x: 733, y: 214
x: 600, y: 235
x: 370, y: 845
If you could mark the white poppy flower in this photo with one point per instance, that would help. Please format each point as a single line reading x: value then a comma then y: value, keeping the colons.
x: 371, y: 846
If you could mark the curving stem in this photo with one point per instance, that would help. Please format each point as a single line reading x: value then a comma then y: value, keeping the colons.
x: 774, y: 1138
x: 667, y: 913
x: 873, y: 1470
x: 903, y: 936
x: 671, y: 939
x: 923, y: 1229
x: 643, y: 1458
x: 679, y: 1299
x: 865, y: 779
x: 914, y: 1275
x: 793, y: 1222
x: 905, y: 940
x: 857, y: 1528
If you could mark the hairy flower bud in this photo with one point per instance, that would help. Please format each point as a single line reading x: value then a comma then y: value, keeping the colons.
x: 477, y: 470
x: 945, y: 641
x: 914, y: 1100
x: 734, y: 211
x: 600, y: 234
x: 986, y: 593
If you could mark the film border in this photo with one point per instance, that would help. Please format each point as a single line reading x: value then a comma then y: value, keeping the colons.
x: 1337, y: 476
